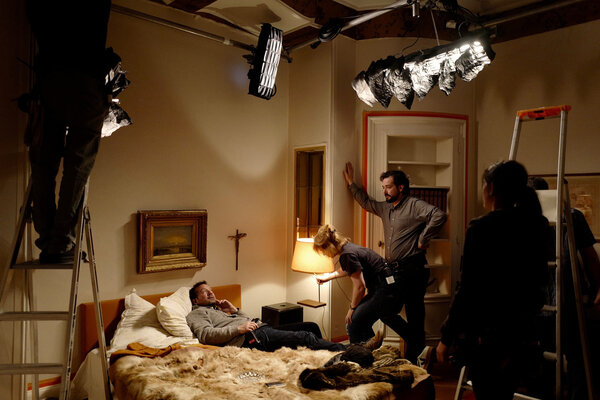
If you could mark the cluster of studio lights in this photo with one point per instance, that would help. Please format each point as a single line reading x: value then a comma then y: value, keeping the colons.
x: 417, y: 73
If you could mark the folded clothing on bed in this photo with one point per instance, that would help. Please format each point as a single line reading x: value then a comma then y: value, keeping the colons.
x: 140, y: 350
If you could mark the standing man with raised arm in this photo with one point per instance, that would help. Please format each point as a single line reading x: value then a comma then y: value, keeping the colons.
x: 408, y: 224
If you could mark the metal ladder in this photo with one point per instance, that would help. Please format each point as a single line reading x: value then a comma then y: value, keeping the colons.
x: 560, y: 215
x: 36, y: 368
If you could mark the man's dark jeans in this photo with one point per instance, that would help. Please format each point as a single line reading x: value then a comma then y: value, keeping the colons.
x: 271, y: 339
x: 386, y: 303
x: 75, y: 100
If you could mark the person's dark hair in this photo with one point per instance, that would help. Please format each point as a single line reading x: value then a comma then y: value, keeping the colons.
x: 400, y: 178
x: 193, y: 293
x: 508, y: 182
x: 538, y: 183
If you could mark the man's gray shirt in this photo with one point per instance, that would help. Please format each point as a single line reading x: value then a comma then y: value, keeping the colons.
x: 405, y: 225
x: 216, y: 327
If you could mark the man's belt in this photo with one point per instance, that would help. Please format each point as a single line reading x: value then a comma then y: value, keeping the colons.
x: 394, y: 271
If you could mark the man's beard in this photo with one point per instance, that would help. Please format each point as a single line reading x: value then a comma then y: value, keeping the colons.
x: 208, y: 303
x: 391, y: 199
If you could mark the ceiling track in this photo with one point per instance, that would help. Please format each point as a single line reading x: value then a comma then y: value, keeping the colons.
x: 363, y: 18
x: 188, y: 29
x: 359, y: 20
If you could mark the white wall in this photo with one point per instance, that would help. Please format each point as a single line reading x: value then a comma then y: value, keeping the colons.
x: 310, y: 118
x: 345, y: 135
x: 552, y: 68
x: 198, y: 141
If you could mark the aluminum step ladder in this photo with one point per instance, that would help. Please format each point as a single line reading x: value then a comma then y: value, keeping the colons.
x: 557, y: 208
x: 29, y: 317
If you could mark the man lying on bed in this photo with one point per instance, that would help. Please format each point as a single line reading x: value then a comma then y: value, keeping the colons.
x: 220, y: 323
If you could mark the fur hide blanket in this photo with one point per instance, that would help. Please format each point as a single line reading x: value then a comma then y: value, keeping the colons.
x: 238, y: 373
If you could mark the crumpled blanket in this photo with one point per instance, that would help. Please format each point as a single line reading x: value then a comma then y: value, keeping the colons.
x: 340, y: 373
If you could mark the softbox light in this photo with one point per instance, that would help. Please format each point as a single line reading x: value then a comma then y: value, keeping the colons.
x: 265, y: 61
x: 418, y: 72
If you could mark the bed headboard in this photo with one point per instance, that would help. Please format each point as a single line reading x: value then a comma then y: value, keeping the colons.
x: 112, y: 309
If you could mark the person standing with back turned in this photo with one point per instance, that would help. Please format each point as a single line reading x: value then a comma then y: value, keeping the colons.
x: 70, y: 73
x: 408, y: 224
x: 503, y: 276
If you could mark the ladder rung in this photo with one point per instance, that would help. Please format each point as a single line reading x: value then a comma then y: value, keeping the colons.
x: 549, y: 308
x: 34, y: 316
x: 31, y: 368
x: 548, y: 355
x: 35, y: 264
x: 551, y: 264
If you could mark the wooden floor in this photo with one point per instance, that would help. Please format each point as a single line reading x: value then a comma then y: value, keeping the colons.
x: 445, y: 379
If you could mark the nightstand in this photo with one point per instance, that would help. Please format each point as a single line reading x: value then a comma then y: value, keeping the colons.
x: 282, y: 314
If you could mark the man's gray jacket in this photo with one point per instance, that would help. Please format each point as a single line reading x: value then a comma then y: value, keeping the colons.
x: 216, y: 327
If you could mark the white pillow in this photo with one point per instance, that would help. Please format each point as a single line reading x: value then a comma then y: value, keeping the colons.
x: 139, y: 324
x: 171, y: 312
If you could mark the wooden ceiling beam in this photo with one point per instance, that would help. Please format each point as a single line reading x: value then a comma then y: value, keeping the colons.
x: 400, y: 23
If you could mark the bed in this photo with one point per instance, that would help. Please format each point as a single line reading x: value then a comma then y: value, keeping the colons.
x: 153, y: 357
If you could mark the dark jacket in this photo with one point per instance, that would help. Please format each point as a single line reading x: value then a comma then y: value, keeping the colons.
x: 504, y: 271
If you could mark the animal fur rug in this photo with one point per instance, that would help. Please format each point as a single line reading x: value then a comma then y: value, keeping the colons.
x: 238, y: 373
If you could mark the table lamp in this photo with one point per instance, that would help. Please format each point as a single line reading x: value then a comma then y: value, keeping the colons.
x: 307, y: 260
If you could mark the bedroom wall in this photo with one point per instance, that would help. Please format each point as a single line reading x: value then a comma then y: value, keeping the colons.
x: 310, y: 116
x: 321, y: 112
x: 198, y: 141
x: 557, y: 67
x: 345, y: 132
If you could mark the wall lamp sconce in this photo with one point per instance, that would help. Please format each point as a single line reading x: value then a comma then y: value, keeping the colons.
x: 418, y: 72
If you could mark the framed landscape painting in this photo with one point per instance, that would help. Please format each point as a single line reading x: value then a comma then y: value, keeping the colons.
x: 169, y: 240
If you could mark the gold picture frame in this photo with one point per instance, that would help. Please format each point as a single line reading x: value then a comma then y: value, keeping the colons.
x: 584, y: 190
x: 170, y: 240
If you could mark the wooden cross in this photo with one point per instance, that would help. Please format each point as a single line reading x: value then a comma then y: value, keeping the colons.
x: 237, y: 238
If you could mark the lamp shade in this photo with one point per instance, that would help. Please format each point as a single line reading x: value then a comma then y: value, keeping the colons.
x: 307, y: 260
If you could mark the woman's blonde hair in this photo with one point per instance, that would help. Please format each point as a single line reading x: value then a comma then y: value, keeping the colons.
x: 329, y: 240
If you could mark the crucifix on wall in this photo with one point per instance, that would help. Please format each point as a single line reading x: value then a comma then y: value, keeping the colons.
x: 237, y: 238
